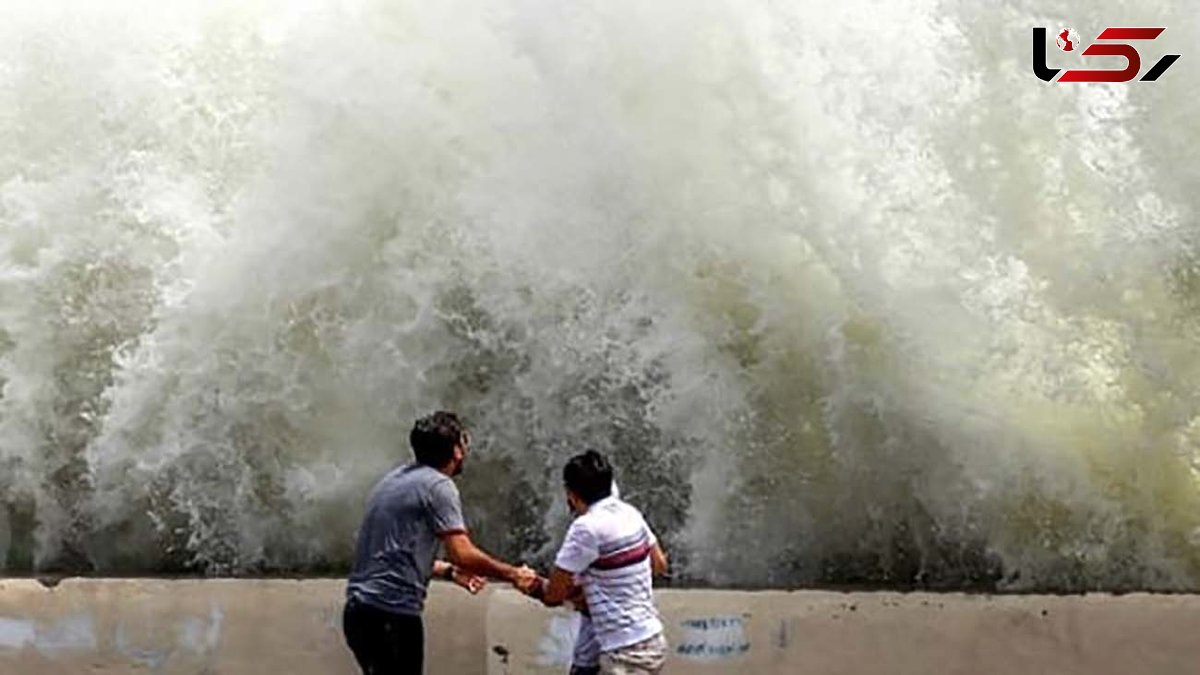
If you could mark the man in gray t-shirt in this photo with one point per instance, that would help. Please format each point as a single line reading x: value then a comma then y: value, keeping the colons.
x: 409, y: 512
x: 406, y: 513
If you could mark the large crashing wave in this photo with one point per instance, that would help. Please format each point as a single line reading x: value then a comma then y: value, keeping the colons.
x: 847, y: 293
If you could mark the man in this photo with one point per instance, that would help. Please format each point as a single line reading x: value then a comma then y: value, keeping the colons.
x: 585, y: 657
x: 612, y: 552
x: 410, y: 510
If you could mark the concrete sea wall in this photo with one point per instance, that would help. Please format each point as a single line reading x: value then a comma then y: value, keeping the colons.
x: 228, y: 627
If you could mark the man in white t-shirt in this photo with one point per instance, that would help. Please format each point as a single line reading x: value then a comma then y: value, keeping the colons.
x: 611, y: 552
x: 585, y: 657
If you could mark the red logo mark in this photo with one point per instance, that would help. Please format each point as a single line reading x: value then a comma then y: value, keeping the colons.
x: 1065, y: 42
x: 1133, y: 60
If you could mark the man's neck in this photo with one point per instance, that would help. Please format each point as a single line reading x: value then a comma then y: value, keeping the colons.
x: 447, y: 470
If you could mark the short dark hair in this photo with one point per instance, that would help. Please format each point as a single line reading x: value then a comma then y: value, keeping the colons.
x: 433, y: 438
x: 589, y: 475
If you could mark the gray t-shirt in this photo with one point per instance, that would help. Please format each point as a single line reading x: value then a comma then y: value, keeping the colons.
x: 406, y: 512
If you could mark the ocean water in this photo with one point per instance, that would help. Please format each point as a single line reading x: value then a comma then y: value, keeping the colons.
x: 848, y: 294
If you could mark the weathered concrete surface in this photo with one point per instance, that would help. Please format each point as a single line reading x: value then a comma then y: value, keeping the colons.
x: 205, y: 627
x: 231, y: 627
x: 860, y: 633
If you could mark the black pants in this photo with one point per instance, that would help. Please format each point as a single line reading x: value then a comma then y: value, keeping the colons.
x: 382, y: 642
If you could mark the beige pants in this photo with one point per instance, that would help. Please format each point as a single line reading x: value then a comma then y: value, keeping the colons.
x: 647, y: 656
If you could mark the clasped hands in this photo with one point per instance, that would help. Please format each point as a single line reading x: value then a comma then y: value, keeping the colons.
x: 524, y: 578
x: 530, y: 583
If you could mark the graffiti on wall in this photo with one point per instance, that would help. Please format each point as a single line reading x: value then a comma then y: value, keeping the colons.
x: 713, y: 638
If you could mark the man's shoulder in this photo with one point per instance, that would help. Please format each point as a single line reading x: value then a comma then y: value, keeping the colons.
x: 417, y: 474
x: 623, y: 510
x: 581, y: 526
x: 613, y: 519
x: 415, y: 480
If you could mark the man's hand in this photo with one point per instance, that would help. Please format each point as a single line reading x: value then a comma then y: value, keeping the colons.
x: 472, y: 582
x: 524, y: 579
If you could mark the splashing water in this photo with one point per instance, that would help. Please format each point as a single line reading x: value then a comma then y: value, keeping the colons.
x: 847, y: 293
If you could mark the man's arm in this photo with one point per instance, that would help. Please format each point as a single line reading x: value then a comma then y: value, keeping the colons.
x: 556, y: 590
x: 578, y: 551
x: 658, y: 561
x: 445, y: 513
x: 462, y: 552
x: 658, y: 557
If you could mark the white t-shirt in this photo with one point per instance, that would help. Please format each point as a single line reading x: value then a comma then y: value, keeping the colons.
x: 608, y: 549
x: 587, y: 647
